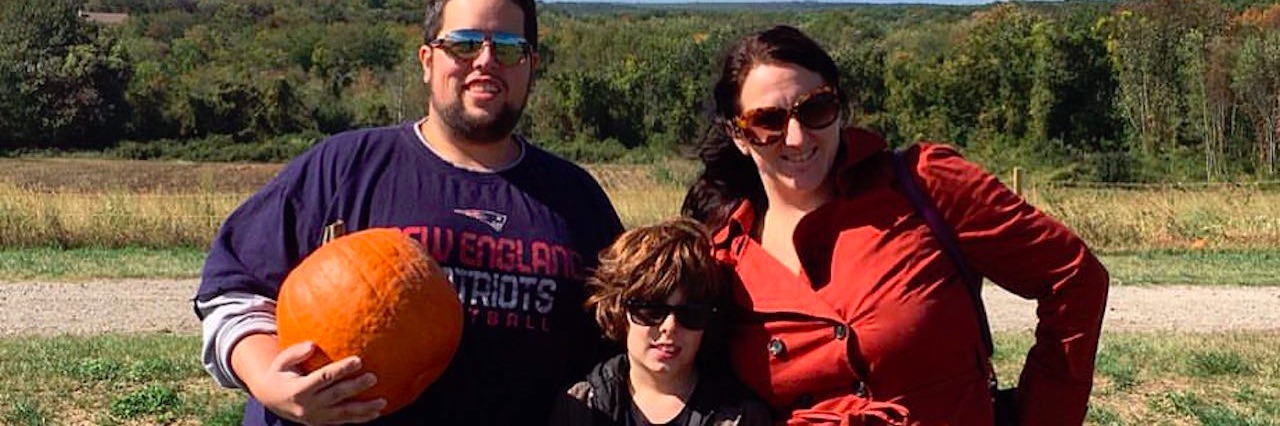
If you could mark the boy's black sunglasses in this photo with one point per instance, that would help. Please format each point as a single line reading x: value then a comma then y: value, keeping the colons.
x: 509, y: 49
x: 693, y: 316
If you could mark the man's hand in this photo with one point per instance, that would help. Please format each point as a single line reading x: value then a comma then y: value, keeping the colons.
x: 319, y: 398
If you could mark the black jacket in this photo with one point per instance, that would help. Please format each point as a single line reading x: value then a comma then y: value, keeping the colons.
x: 603, y: 399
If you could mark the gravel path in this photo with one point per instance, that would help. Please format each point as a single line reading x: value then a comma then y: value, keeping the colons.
x: 97, y: 307
x: 45, y: 308
x: 1158, y: 308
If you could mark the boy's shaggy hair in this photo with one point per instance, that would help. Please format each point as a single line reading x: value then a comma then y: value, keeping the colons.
x: 650, y: 263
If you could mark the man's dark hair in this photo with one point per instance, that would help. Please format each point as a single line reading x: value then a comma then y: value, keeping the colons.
x: 435, y: 19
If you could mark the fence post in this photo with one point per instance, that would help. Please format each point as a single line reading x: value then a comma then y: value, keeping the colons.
x: 1017, y: 181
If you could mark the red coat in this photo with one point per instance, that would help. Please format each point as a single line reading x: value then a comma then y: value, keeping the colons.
x: 891, y: 316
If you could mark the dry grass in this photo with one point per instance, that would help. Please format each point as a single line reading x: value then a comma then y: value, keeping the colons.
x: 33, y: 218
x: 77, y: 175
x: 1160, y: 218
x: 105, y: 203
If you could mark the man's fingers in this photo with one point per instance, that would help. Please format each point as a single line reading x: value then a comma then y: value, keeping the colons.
x: 360, y: 411
x: 292, y: 356
x: 328, y: 375
x: 345, y: 389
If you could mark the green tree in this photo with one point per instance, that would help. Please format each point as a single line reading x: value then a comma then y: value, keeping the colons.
x: 860, y: 57
x: 1143, y: 41
x: 913, y: 80
x: 1258, y: 85
x: 63, y: 80
x: 998, y: 80
x: 1210, y: 100
x: 1083, y: 115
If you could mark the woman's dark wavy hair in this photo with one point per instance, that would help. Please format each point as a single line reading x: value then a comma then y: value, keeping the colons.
x: 728, y: 176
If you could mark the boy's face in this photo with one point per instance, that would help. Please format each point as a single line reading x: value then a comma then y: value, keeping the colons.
x: 667, y: 349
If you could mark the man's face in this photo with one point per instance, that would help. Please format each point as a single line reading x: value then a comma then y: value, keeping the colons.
x: 479, y: 99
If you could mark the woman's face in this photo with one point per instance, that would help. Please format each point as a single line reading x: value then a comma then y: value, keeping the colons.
x: 667, y: 348
x: 795, y: 167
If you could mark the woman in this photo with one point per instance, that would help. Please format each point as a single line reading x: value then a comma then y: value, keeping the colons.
x: 849, y: 309
x: 658, y: 291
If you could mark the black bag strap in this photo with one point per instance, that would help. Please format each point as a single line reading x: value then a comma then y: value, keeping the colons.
x: 946, y: 236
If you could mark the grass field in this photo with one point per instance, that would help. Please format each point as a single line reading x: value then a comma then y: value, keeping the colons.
x: 72, y: 203
x: 110, y: 380
x: 75, y: 219
x: 1248, y: 268
x: 43, y: 263
x: 91, y: 218
x: 1142, y: 379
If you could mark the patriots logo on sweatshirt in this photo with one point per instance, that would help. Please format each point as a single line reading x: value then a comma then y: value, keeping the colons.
x: 493, y: 219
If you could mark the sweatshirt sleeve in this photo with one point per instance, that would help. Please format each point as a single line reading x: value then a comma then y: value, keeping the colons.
x: 1028, y: 253
x: 253, y: 251
x: 228, y: 318
x: 268, y: 234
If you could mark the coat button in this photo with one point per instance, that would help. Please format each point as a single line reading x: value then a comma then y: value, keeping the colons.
x: 777, y: 348
x: 842, y: 331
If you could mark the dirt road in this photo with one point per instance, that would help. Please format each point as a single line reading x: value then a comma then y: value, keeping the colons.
x: 47, y: 308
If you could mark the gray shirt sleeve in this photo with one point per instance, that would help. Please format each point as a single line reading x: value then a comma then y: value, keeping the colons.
x: 228, y: 318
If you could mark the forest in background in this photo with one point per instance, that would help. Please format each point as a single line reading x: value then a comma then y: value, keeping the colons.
x: 1134, y: 91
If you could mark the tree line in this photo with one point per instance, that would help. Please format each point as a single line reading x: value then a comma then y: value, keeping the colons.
x: 1149, y: 90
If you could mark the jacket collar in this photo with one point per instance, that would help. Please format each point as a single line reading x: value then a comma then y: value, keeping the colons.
x: 611, y: 395
x: 609, y: 387
x: 859, y: 146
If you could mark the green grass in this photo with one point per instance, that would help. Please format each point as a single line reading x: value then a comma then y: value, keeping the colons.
x: 162, y: 402
x: 26, y: 413
x: 1141, y: 378
x: 1251, y: 268
x: 1159, y: 267
x: 1164, y: 378
x: 83, y: 264
x: 110, y: 379
x: 1208, y: 363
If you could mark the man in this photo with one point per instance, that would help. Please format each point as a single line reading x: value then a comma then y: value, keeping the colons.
x: 513, y: 226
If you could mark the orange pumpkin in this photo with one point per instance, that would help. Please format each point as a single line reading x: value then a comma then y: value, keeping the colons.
x: 375, y: 294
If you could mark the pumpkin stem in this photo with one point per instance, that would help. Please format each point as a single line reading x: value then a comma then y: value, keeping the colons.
x: 332, y: 231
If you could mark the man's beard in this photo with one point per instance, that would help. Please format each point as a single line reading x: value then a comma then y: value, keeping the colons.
x: 457, y: 122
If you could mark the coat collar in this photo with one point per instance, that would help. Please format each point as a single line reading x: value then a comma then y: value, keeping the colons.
x: 859, y: 146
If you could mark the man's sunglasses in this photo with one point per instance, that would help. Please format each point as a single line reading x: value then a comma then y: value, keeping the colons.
x: 768, y: 125
x: 692, y: 316
x: 509, y: 49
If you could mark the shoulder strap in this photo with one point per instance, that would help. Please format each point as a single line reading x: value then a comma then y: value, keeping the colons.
x: 945, y: 236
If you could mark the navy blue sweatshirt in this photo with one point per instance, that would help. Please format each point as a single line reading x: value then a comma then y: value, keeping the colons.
x: 516, y: 244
